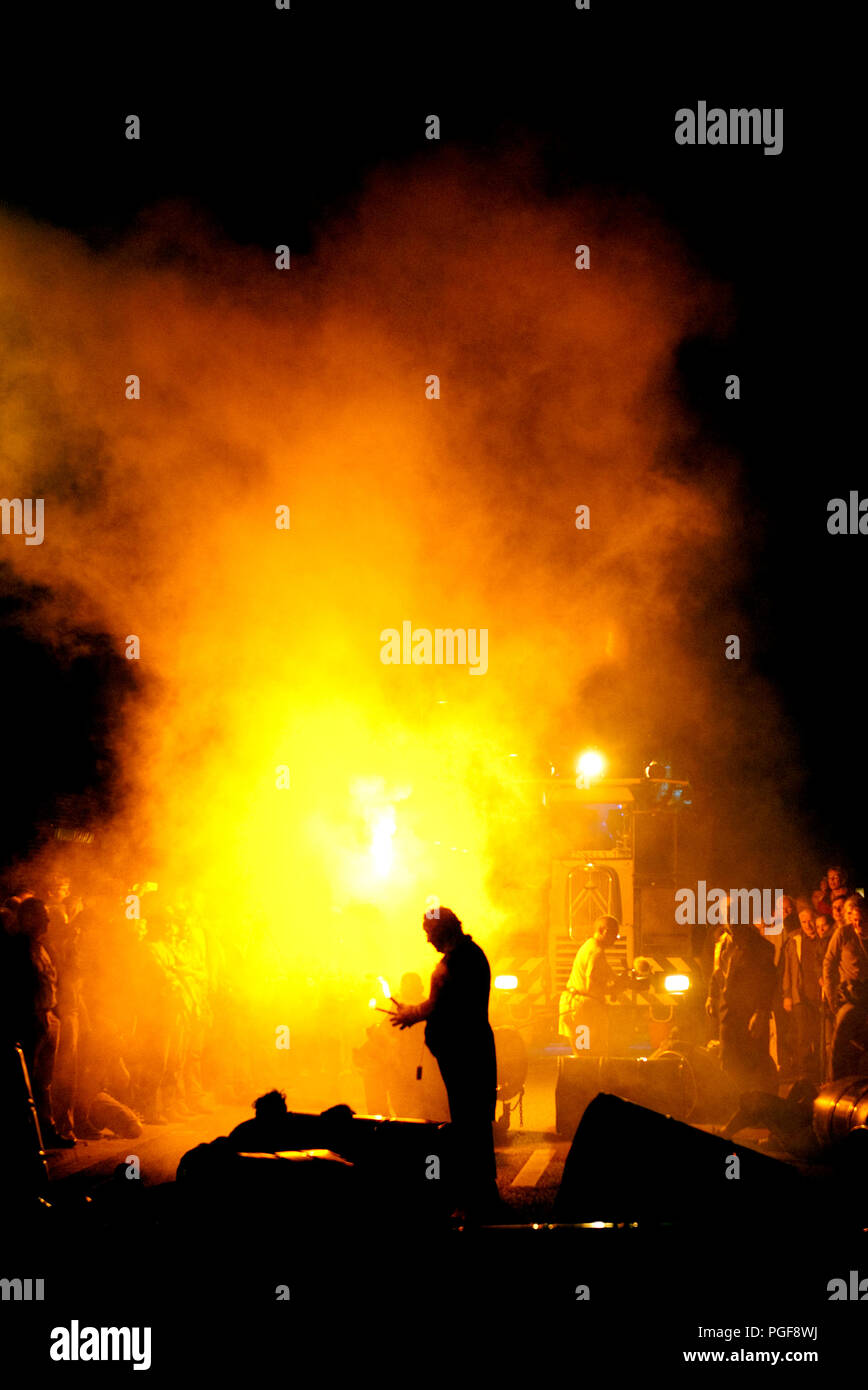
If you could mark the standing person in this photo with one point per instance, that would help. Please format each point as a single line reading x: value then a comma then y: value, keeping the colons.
x: 191, y: 967
x: 159, y: 1020
x: 40, y: 1047
x: 826, y: 926
x: 801, y: 990
x: 62, y: 939
x: 722, y: 951
x: 785, y: 1031
x: 745, y: 1008
x: 592, y: 979
x: 459, y: 1035
x: 845, y: 986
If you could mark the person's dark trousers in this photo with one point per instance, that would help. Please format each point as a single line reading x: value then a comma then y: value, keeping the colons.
x: 41, y: 1067
x: 850, y: 1020
x: 472, y: 1092
x: 65, y: 1085
x: 807, y: 1017
x: 743, y: 1057
x: 828, y: 1038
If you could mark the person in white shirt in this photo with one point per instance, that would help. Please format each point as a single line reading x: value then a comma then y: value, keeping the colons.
x: 584, y: 1001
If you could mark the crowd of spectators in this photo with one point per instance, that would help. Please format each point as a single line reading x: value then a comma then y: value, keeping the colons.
x: 116, y: 1004
x: 791, y: 1002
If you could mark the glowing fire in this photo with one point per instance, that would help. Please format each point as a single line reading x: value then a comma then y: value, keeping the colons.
x: 382, y: 848
x: 301, y: 792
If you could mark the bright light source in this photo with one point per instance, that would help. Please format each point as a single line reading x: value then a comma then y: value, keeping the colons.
x: 676, y: 984
x: 381, y: 841
x: 590, y: 766
x: 506, y: 982
x: 384, y: 985
x: 372, y: 1003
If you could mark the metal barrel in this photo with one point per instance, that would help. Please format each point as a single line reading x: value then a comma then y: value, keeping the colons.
x: 840, y: 1107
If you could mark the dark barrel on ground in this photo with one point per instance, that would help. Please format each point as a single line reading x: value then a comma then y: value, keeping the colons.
x: 840, y: 1108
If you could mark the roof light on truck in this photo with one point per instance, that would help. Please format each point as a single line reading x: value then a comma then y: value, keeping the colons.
x: 590, y: 767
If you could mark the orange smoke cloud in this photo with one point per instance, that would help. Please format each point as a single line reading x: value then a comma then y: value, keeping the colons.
x: 260, y: 648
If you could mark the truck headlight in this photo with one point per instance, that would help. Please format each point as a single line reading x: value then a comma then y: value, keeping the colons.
x: 676, y: 984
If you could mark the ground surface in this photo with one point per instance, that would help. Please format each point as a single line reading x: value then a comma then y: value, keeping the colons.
x: 530, y: 1157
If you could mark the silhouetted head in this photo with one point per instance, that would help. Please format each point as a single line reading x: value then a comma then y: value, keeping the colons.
x: 337, y: 1115
x: 271, y: 1106
x: 33, y: 917
x: 743, y: 932
x: 443, y: 930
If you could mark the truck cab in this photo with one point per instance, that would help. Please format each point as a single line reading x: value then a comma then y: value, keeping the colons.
x: 622, y: 861
x: 613, y: 850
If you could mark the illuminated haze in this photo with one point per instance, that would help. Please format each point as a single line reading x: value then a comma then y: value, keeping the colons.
x: 261, y: 647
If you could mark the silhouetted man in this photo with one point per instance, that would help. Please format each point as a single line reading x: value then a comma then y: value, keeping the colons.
x: 40, y: 1049
x: 745, y: 1008
x: 458, y: 1034
x: 801, y: 989
x: 845, y: 985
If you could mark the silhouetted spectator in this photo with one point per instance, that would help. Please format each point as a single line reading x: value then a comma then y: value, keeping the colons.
x: 372, y: 1060
x: 276, y: 1129
x: 44, y: 1026
x: 787, y: 918
x: 802, y: 990
x: 62, y: 944
x: 845, y: 985
x: 791, y: 1121
x: 159, y: 1011
x: 17, y: 981
x: 745, y: 1009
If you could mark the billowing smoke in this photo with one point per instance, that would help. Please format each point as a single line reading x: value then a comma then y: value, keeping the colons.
x: 272, y: 762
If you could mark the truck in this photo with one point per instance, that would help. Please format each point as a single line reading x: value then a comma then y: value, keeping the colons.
x: 612, y: 846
